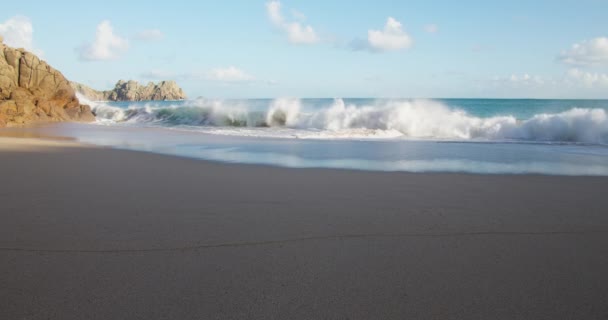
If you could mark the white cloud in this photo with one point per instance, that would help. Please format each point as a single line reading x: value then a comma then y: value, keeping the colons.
x: 590, y: 52
x: 150, y: 35
x: 431, y: 28
x: 18, y: 32
x: 106, y: 46
x: 225, y: 76
x: 297, y: 15
x: 230, y: 74
x: 573, y: 79
x: 519, y: 80
x: 391, y: 38
x: 572, y: 84
x: 301, y: 34
x: 526, y: 78
x: 523, y: 85
x: 273, y: 8
x: 588, y: 79
x: 296, y: 32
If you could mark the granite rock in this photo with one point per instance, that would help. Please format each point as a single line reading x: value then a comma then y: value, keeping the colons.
x: 32, y: 91
x: 133, y: 91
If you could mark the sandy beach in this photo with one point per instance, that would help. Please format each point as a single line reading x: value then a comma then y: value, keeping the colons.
x: 303, y: 160
x: 94, y: 233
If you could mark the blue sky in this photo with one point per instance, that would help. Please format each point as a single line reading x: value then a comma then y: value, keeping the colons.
x: 258, y: 49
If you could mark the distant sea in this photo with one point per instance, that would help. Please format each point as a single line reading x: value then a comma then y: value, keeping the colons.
x: 488, y: 136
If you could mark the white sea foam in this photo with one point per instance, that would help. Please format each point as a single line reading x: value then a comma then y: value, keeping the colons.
x: 416, y: 119
x: 284, y: 112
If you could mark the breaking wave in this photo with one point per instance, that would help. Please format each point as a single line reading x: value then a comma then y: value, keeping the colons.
x: 415, y: 119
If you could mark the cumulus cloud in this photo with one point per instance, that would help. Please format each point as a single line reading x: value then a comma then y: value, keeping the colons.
x: 230, y: 74
x: 574, y: 83
x: 296, y: 32
x: 589, y: 79
x: 391, y: 38
x: 273, y: 8
x: 518, y: 80
x: 106, y: 46
x: 572, y: 79
x: 431, y: 28
x: 149, y: 35
x: 18, y: 32
x: 587, y: 53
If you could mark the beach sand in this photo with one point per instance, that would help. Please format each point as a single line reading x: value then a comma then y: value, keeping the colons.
x: 94, y: 233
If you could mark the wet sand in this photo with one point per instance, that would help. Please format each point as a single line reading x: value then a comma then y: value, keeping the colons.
x: 93, y: 233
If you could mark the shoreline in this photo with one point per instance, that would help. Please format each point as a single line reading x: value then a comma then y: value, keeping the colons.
x: 392, y: 156
x: 32, y: 141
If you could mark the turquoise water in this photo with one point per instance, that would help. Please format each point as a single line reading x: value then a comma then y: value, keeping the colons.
x: 552, y: 121
x: 561, y: 137
x: 519, y: 108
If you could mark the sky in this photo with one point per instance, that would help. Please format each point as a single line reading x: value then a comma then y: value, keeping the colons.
x: 318, y: 49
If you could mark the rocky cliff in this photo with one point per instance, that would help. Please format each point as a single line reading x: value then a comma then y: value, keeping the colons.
x: 32, y: 91
x: 133, y: 91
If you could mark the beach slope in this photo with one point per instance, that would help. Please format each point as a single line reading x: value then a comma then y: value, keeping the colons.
x: 93, y: 233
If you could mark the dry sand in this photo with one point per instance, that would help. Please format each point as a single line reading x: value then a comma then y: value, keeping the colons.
x: 90, y: 233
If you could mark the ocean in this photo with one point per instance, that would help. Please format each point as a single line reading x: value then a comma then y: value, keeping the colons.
x: 484, y: 136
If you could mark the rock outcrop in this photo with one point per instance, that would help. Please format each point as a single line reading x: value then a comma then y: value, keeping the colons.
x: 32, y: 91
x: 133, y: 91
x: 89, y: 92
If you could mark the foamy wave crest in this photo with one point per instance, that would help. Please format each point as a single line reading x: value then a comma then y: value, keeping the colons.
x: 284, y: 112
x: 575, y: 125
x: 199, y: 112
x: 103, y: 112
x: 417, y: 119
x: 424, y: 119
x: 432, y: 120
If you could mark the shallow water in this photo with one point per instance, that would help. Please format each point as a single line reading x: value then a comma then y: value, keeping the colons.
x: 375, y: 155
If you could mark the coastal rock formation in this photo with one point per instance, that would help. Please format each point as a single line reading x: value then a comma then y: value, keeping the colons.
x: 133, y: 91
x: 89, y: 92
x: 32, y: 91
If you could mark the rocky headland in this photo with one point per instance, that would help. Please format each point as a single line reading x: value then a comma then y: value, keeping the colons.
x: 31, y: 91
x: 133, y: 91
